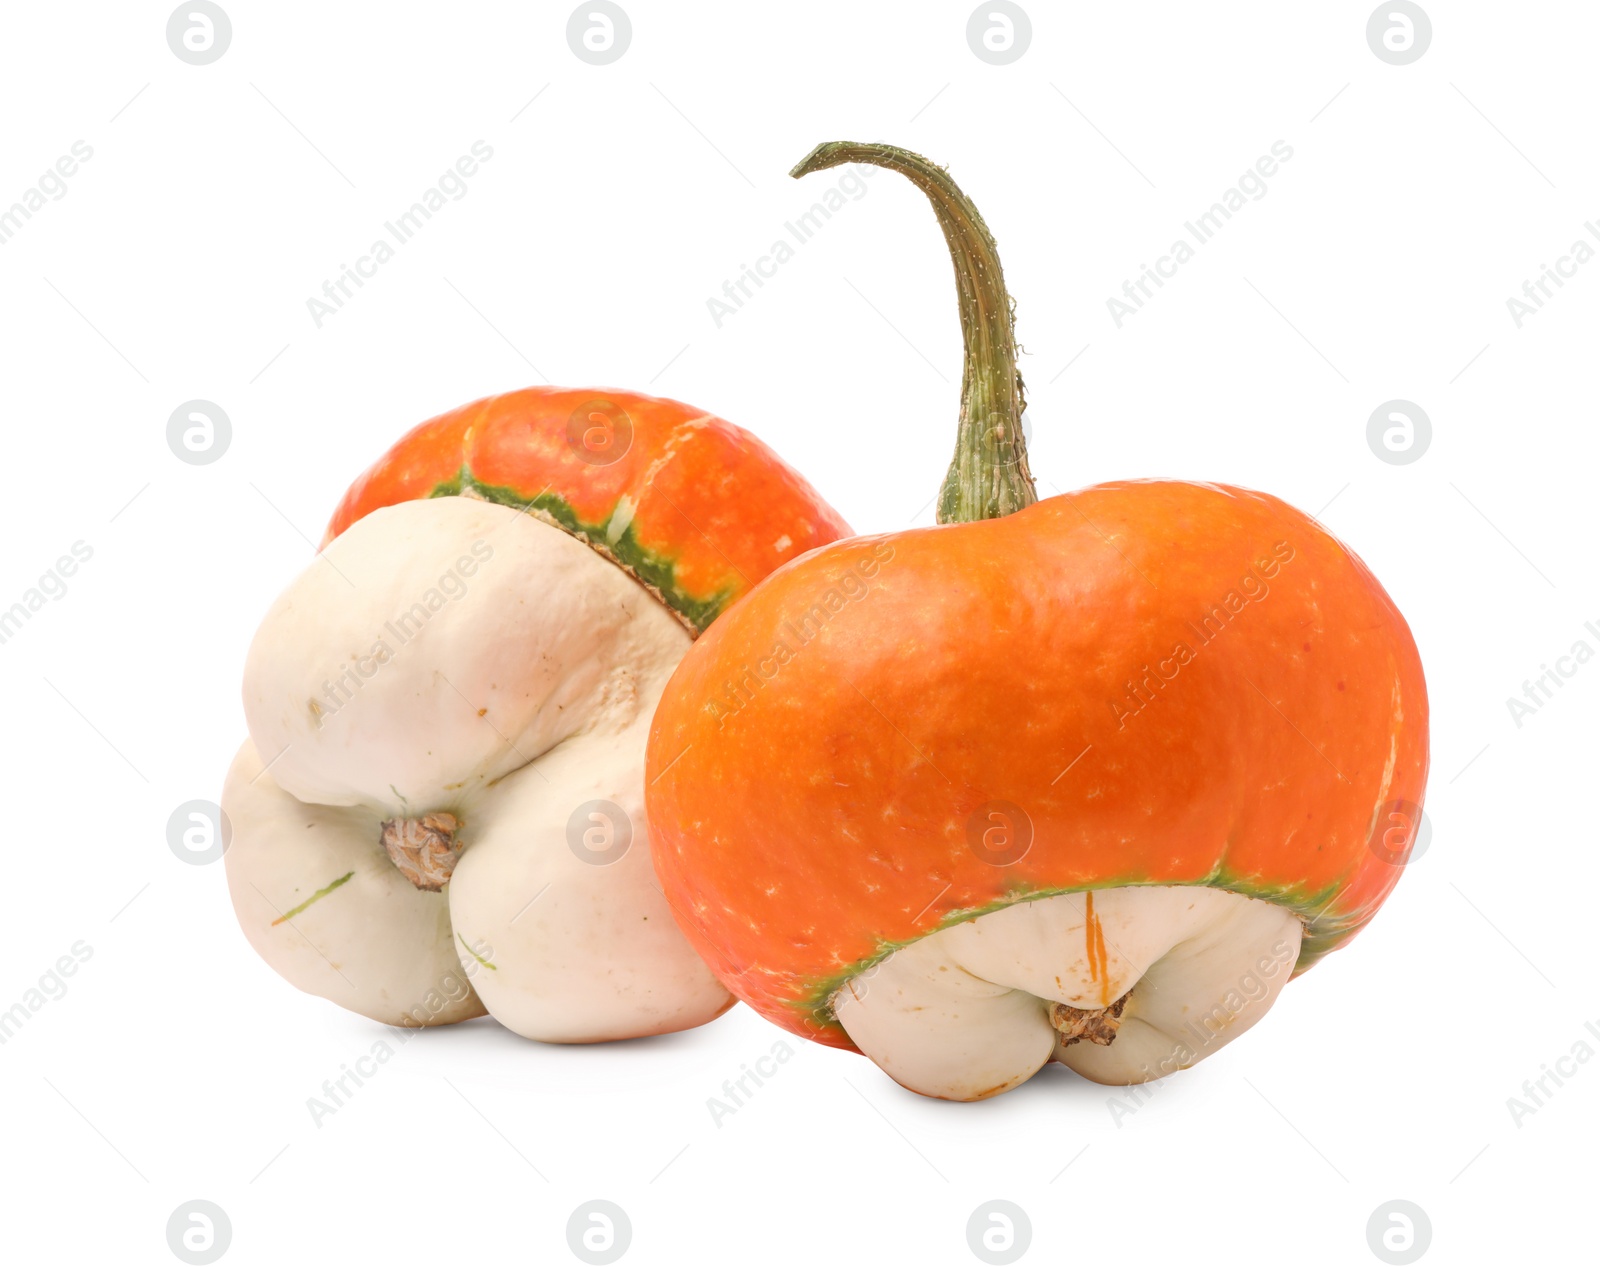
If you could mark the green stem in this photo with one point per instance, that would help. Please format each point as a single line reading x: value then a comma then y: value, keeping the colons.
x: 989, y: 476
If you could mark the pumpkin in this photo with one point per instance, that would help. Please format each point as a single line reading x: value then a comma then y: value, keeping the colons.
x: 1083, y: 780
x: 440, y: 808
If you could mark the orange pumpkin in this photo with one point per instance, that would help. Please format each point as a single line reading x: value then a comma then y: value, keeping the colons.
x: 449, y: 708
x: 1144, y: 683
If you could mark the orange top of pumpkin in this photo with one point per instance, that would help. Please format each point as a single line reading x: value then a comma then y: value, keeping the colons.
x: 696, y: 508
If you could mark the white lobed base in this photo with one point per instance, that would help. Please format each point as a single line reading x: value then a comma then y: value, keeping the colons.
x: 965, y: 1013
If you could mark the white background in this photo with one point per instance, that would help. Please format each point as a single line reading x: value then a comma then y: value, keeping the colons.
x: 178, y: 265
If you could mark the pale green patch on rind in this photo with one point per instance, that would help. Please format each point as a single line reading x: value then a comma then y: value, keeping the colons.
x: 1323, y: 931
x: 491, y: 967
x: 315, y: 897
x: 654, y: 571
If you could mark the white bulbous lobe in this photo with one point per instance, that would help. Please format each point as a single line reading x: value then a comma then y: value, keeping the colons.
x: 430, y: 703
x: 1120, y: 985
